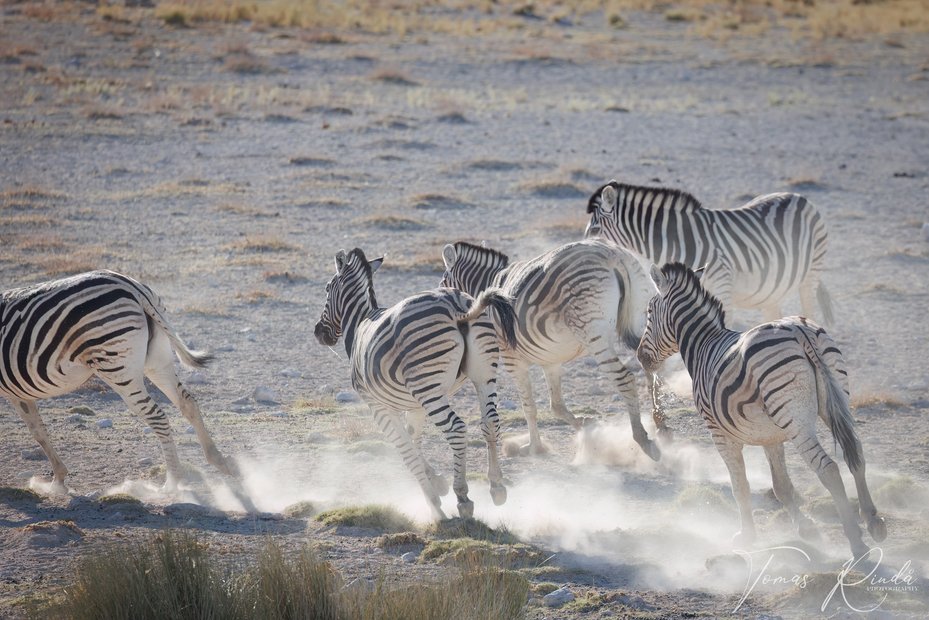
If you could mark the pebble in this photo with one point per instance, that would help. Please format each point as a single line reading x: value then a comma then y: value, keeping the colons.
x: 225, y: 348
x: 590, y: 363
x: 190, y: 430
x: 266, y: 396
x: 146, y: 461
x: 34, y: 454
x: 147, y: 430
x: 509, y: 404
x: 76, y: 417
x: 290, y: 373
x: 105, y: 423
x: 558, y: 598
x: 409, y: 557
x: 196, y: 378
x: 346, y: 397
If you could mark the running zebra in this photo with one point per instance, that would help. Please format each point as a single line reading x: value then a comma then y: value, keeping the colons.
x: 412, y: 357
x: 755, y: 255
x: 761, y: 387
x: 54, y: 336
x: 582, y: 297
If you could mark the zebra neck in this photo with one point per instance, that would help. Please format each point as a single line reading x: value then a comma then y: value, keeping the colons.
x: 356, y: 313
x: 694, y: 337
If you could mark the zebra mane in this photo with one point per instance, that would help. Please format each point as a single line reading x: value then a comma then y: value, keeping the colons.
x: 480, y: 250
x: 680, y: 200
x: 362, y: 261
x: 685, y: 277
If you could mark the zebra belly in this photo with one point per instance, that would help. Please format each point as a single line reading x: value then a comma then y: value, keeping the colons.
x: 761, y: 288
x: 70, y: 377
x: 399, y: 398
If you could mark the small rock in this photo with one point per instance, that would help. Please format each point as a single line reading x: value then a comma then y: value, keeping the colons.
x: 196, y: 378
x: 225, y: 348
x: 409, y: 557
x: 290, y: 373
x: 190, y: 430
x: 509, y: 404
x: 147, y: 430
x: 590, y: 363
x: 346, y: 397
x: 558, y: 598
x: 105, y: 423
x: 146, y: 461
x: 266, y: 395
x: 76, y: 417
x: 617, y: 398
x: 34, y: 454
x: 82, y: 410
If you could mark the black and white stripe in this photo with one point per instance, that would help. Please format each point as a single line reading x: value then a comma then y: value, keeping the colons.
x: 583, y: 297
x: 412, y: 357
x: 755, y: 255
x: 54, y: 336
x: 762, y: 387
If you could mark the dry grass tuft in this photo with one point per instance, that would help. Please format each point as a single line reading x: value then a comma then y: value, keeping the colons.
x: 873, y: 399
x: 396, y: 223
x: 374, y: 517
x: 393, y: 76
x: 262, y: 244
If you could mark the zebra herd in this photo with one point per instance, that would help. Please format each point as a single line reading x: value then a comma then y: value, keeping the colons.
x: 763, y: 387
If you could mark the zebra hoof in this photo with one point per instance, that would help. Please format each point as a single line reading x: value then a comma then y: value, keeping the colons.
x: 652, y: 450
x: 877, y: 528
x: 498, y: 494
x: 466, y: 509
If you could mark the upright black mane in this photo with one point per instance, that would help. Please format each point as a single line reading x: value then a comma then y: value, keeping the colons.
x: 464, y: 245
x: 359, y: 254
x: 679, y: 272
x: 680, y: 197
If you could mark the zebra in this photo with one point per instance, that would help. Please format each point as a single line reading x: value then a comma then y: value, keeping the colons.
x: 765, y: 387
x: 412, y: 357
x: 56, y: 335
x: 754, y: 255
x: 583, y: 297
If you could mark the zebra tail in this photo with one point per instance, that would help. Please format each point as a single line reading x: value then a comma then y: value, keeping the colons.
x: 841, y: 423
x: 503, y: 304
x: 189, y: 357
x: 825, y: 304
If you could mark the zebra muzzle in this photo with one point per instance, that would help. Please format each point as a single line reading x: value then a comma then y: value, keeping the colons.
x: 324, y: 335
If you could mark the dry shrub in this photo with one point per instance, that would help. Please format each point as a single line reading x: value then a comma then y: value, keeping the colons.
x: 375, y: 517
x: 262, y: 244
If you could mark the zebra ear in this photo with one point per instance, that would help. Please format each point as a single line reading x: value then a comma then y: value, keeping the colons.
x: 658, y: 278
x: 449, y: 256
x: 339, y: 260
x: 608, y: 199
x: 375, y: 264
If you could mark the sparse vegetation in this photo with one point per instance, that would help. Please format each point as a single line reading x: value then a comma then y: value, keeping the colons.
x: 374, y: 517
x: 14, y: 494
x: 300, y: 510
x: 399, y: 540
x: 262, y: 244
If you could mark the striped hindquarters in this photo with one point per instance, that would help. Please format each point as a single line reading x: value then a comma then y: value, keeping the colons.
x: 51, y: 329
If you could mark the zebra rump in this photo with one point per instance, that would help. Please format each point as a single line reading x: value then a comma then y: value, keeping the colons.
x: 503, y: 305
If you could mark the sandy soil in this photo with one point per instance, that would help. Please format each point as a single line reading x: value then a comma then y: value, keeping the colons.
x: 224, y: 166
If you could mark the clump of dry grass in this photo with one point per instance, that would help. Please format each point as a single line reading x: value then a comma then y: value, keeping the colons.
x: 375, y: 517
x: 393, y: 76
x: 875, y: 398
x: 392, y: 222
x: 262, y: 244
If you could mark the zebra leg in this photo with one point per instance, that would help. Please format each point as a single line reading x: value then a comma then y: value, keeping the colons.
x: 29, y: 412
x: 659, y: 417
x: 785, y: 492
x: 876, y: 526
x: 391, y: 424
x: 415, y: 420
x: 132, y: 390
x: 524, y: 386
x: 160, y: 370
x: 490, y: 428
x: 604, y: 351
x: 553, y: 378
x: 440, y: 412
x: 732, y: 456
x: 828, y: 472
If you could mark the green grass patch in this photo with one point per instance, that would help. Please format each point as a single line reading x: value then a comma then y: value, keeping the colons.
x: 472, y: 528
x: 399, y: 540
x: 373, y: 517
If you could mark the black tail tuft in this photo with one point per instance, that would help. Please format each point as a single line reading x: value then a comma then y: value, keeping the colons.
x: 505, y: 313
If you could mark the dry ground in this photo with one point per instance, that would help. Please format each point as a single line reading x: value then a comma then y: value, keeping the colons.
x: 224, y: 164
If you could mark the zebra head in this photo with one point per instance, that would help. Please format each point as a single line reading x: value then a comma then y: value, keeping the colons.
x: 348, y: 293
x: 603, y: 207
x: 471, y: 268
x: 659, y: 341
